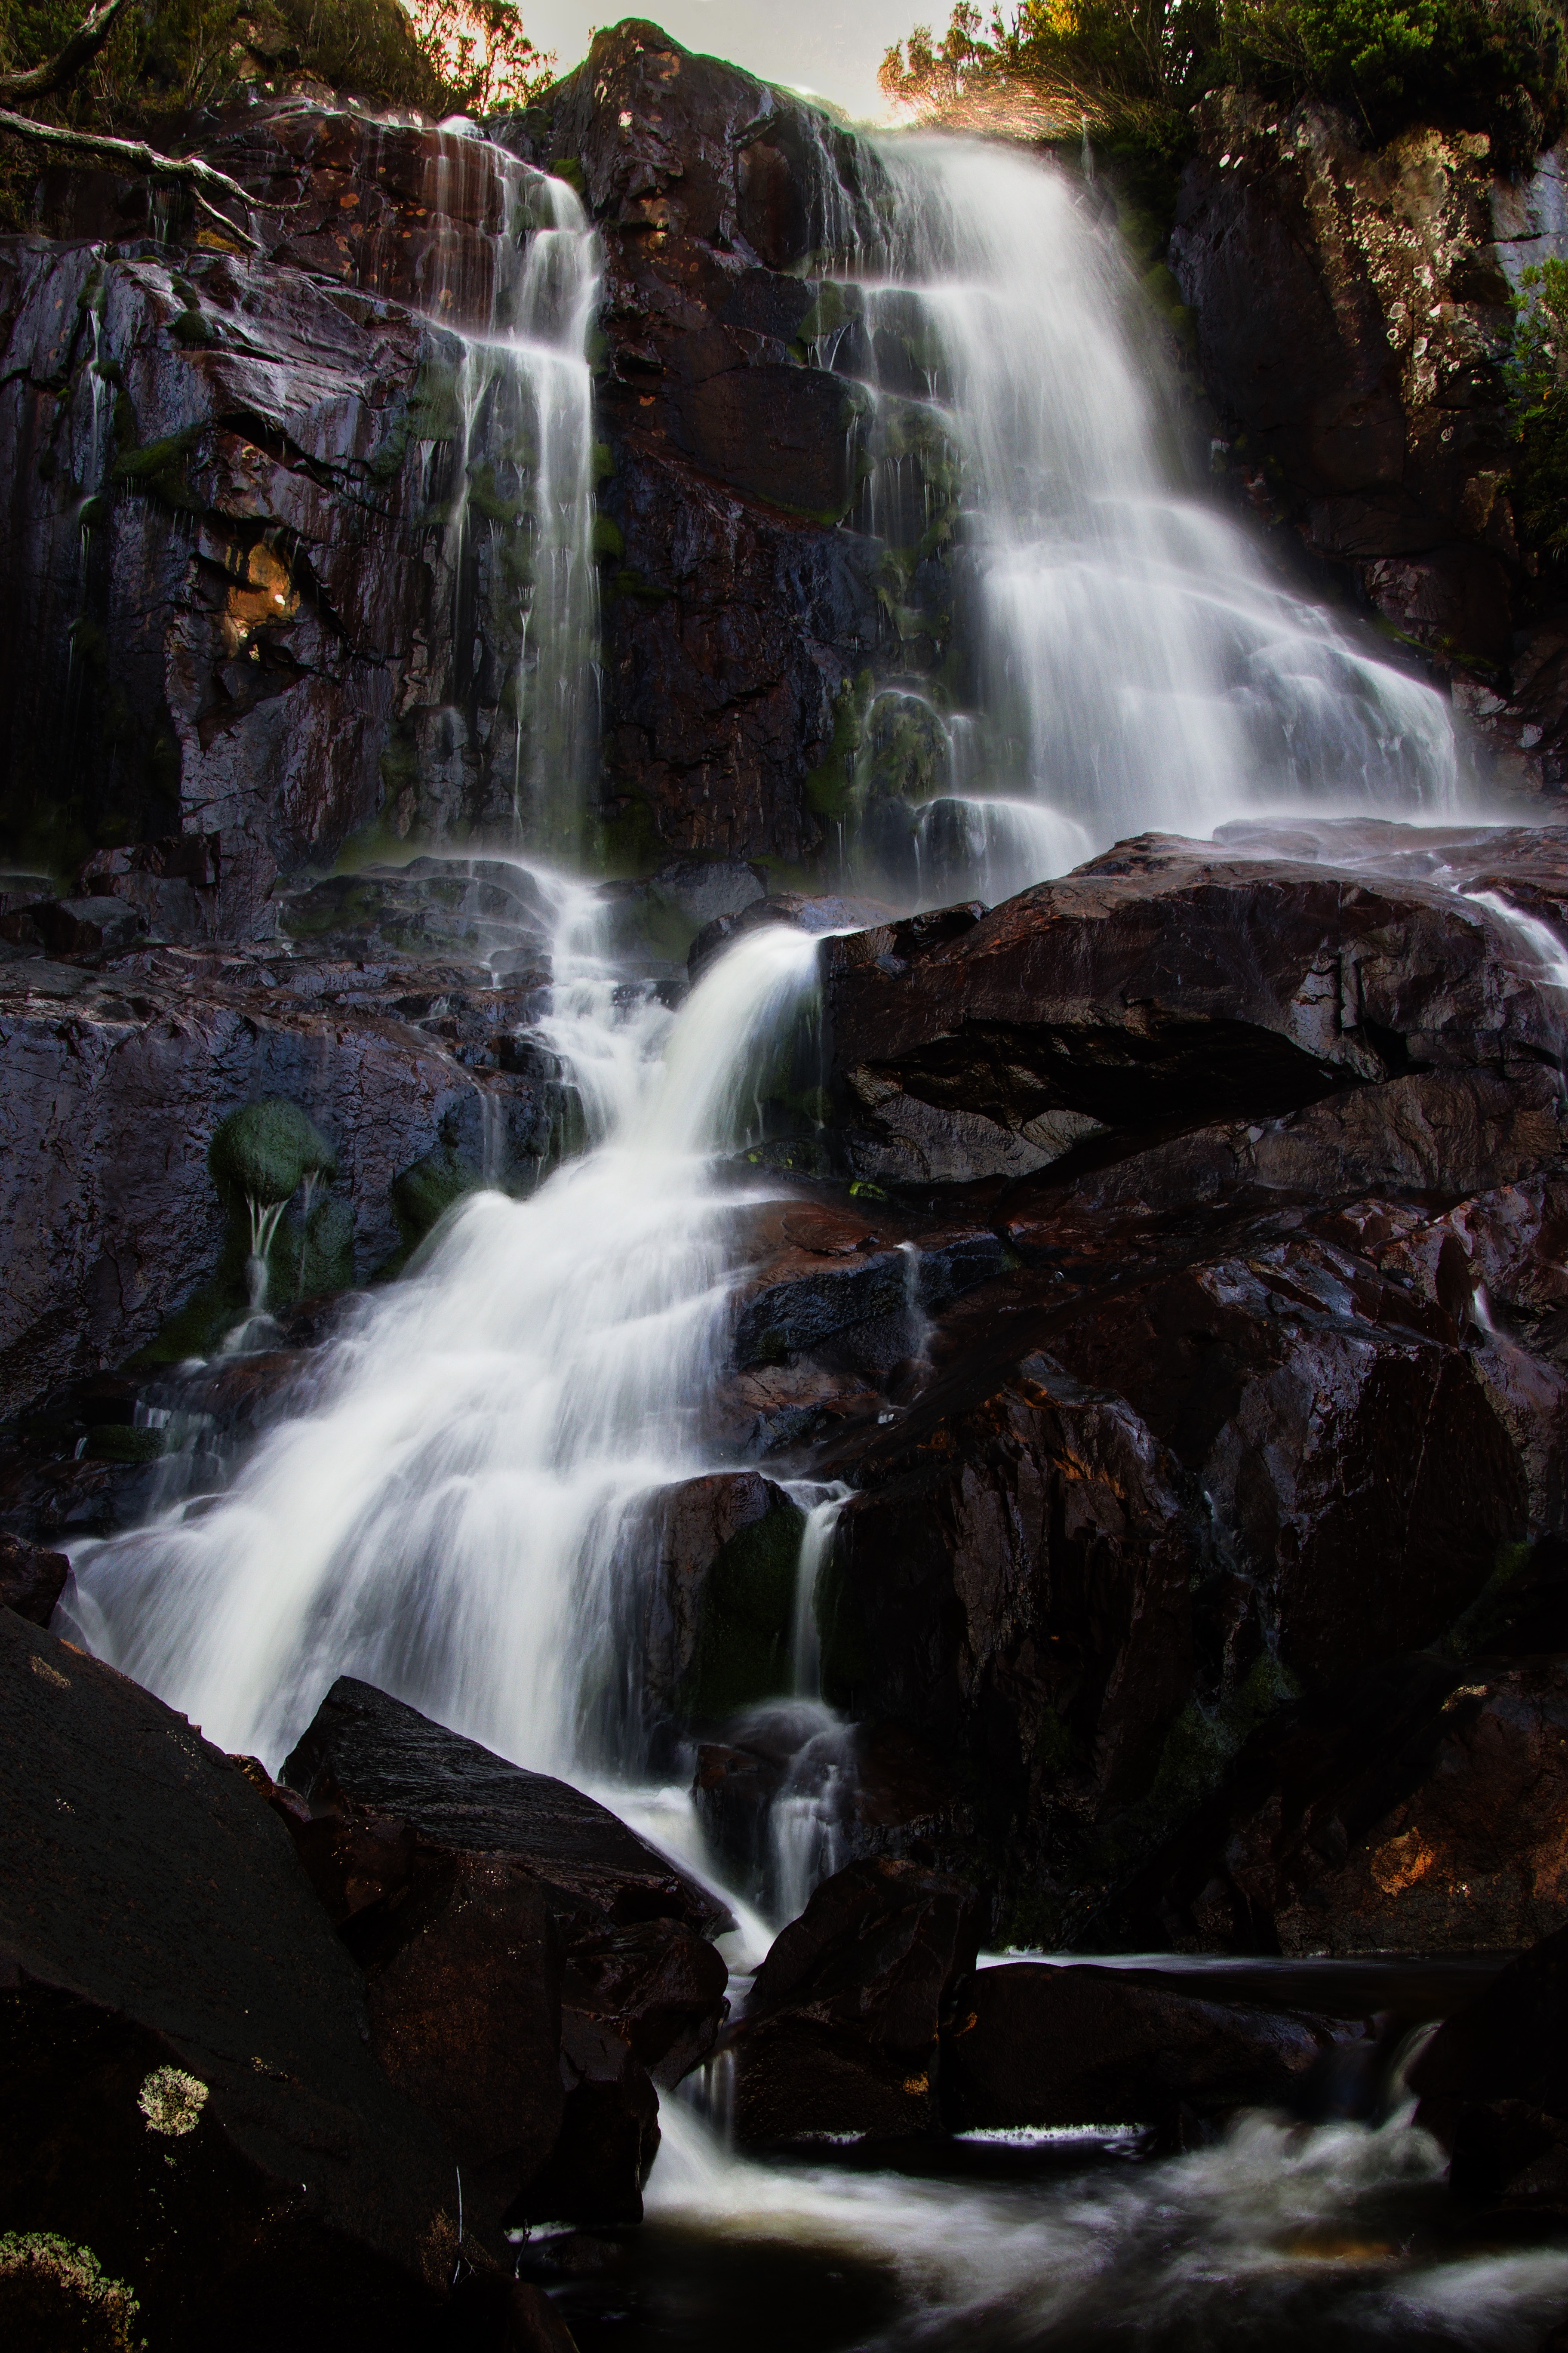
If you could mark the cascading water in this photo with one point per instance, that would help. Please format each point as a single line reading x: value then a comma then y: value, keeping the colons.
x: 510, y: 416
x: 1131, y: 662
x: 447, y: 1521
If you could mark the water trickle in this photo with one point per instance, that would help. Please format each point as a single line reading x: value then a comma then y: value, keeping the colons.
x: 504, y: 407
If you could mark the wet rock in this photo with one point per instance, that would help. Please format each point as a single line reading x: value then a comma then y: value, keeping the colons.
x: 1493, y: 2086
x: 365, y: 1753
x: 1420, y: 1805
x: 794, y: 909
x: 609, y: 2134
x: 109, y: 1104
x: 1031, y: 2045
x: 821, y: 1271
x: 85, y: 926
x: 840, y: 2032
x: 1362, y: 1477
x: 31, y: 1579
x: 1013, y: 1582
x: 1157, y: 984
x: 1314, y: 264
x: 722, y: 1601
x: 661, y: 1988
x: 189, y: 2089
x: 462, y: 1963
x: 173, y: 883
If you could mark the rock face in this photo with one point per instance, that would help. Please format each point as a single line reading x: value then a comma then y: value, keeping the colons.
x: 840, y: 2032
x: 1351, y: 314
x: 119, y: 1072
x: 1261, y: 1397
x: 1038, y: 2046
x: 1418, y: 1805
x: 188, y: 2087
x: 242, y: 527
x: 527, y: 1958
x: 1158, y: 981
x: 736, y: 611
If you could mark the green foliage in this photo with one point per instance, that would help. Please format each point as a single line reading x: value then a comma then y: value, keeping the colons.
x: 1130, y: 69
x: 55, y: 2294
x: 264, y: 1152
x: 424, y: 1193
x: 1537, y: 376
x: 165, y: 57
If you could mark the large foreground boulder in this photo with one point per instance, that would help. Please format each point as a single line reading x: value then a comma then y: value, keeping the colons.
x: 189, y: 2090
x: 529, y: 1961
x: 840, y: 2037
x: 1032, y: 2045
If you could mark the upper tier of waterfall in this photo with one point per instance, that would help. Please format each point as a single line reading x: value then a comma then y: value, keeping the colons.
x: 1124, y: 656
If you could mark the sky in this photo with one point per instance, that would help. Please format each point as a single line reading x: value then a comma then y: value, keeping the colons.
x: 831, y: 47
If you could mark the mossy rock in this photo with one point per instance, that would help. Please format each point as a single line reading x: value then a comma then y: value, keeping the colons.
x: 265, y: 1152
x: 56, y: 2295
x: 424, y: 1193
x: 748, y: 1614
x: 313, y: 1254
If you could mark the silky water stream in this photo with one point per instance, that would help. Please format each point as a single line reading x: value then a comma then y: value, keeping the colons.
x: 453, y: 1514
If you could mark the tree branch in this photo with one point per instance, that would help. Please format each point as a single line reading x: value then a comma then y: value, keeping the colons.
x: 204, y: 180
x: 84, y: 44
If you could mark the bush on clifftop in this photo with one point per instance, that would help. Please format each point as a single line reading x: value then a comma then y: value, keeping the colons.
x: 1133, y: 69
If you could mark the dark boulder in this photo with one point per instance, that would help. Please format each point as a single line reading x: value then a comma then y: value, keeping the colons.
x: 840, y: 2034
x: 365, y: 1753
x: 188, y: 2085
x: 470, y: 1890
x: 661, y: 1988
x: 609, y: 2133
x: 1158, y: 983
x: 722, y: 1605
x: 31, y: 1579
x: 1013, y: 1581
x: 1493, y: 2086
x: 1033, y: 2045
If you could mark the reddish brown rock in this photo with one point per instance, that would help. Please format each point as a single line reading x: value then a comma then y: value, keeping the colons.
x: 1014, y: 1577
x: 1420, y: 1807
x: 840, y: 2032
x: 188, y: 2083
x: 31, y: 1579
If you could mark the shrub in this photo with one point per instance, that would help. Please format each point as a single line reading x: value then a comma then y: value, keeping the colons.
x: 1134, y: 67
x: 1537, y: 375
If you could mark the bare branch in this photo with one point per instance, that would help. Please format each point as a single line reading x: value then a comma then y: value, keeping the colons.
x: 84, y: 44
x: 204, y: 180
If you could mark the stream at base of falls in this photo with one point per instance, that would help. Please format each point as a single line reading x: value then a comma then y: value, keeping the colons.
x: 1280, y: 2236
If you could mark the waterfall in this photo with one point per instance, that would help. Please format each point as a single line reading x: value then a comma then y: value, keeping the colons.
x: 448, y: 1521
x: 511, y: 275
x: 1127, y: 661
